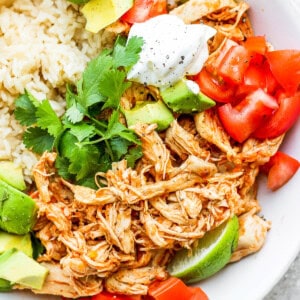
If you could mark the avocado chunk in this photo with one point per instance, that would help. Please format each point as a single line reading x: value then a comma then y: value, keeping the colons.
x: 17, y: 267
x: 101, y: 13
x: 185, y: 97
x: 12, y: 174
x: 5, y: 285
x: 17, y: 210
x: 150, y: 112
x: 21, y: 242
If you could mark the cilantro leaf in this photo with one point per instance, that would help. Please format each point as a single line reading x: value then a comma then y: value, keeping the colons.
x: 26, y: 106
x: 113, y: 86
x: 83, y: 160
x: 47, y: 118
x: 115, y: 128
x: 62, y: 166
x: 133, y: 155
x: 81, y: 130
x: 37, y: 139
x: 88, y: 87
x: 37, y: 246
x: 65, y: 145
x: 119, y: 147
x: 127, y: 55
x: 71, y: 96
x: 75, y: 113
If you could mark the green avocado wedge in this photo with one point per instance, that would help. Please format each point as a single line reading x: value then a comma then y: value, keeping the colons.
x: 20, y: 242
x: 150, y: 112
x: 12, y: 174
x: 185, y: 97
x: 17, y: 210
x: 17, y: 267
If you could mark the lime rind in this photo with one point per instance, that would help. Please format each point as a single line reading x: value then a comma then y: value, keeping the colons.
x: 209, y: 255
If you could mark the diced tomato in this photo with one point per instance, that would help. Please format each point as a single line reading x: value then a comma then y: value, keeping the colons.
x: 174, y: 289
x: 234, y: 64
x: 109, y: 296
x: 280, y: 168
x: 285, y: 66
x: 282, y: 120
x: 213, y: 64
x: 271, y: 83
x: 256, y: 44
x: 143, y: 10
x: 215, y: 88
x: 243, y: 119
x: 255, y: 77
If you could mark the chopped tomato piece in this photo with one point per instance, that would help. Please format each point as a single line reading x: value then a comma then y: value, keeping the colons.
x: 213, y: 65
x: 255, y: 77
x: 215, y: 88
x: 271, y: 83
x: 285, y: 66
x: 280, y: 168
x: 234, y: 64
x: 109, y: 296
x: 174, y: 289
x: 243, y: 119
x: 256, y: 44
x: 143, y: 10
x: 283, y: 119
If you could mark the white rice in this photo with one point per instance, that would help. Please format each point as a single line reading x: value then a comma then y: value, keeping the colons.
x: 43, y: 46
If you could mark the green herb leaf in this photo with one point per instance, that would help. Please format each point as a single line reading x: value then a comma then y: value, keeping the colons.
x: 119, y: 147
x: 88, y: 88
x: 133, y: 155
x: 127, y: 55
x: 75, y: 113
x: 47, y: 118
x: 62, y: 165
x: 26, y: 106
x: 37, y: 246
x: 81, y: 130
x: 115, y: 128
x: 38, y: 140
x: 113, y: 86
x: 83, y: 160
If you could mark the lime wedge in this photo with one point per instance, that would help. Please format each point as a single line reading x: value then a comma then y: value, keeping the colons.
x: 209, y: 254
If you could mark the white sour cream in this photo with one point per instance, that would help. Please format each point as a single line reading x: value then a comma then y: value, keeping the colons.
x: 171, y: 50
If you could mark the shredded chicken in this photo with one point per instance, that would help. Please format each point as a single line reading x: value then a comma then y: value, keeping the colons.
x: 114, y: 233
x: 252, y: 234
x: 194, y: 10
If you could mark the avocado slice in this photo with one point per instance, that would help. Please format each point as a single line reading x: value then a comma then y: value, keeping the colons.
x: 150, y: 112
x: 17, y: 267
x: 17, y: 210
x: 101, y: 13
x: 12, y: 174
x: 185, y: 97
x: 21, y: 242
x: 5, y: 285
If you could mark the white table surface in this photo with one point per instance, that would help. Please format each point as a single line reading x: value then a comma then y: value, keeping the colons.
x: 288, y: 288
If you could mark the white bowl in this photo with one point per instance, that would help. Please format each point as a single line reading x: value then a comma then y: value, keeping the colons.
x: 254, y: 276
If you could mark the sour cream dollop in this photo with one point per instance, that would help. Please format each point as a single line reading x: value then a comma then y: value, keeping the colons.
x: 171, y: 50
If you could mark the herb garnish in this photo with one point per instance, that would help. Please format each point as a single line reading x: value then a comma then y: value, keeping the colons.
x: 85, y: 141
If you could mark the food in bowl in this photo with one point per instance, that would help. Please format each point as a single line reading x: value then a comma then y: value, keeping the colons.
x: 115, y: 203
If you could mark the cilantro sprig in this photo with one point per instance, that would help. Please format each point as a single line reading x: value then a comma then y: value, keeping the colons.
x: 85, y: 139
